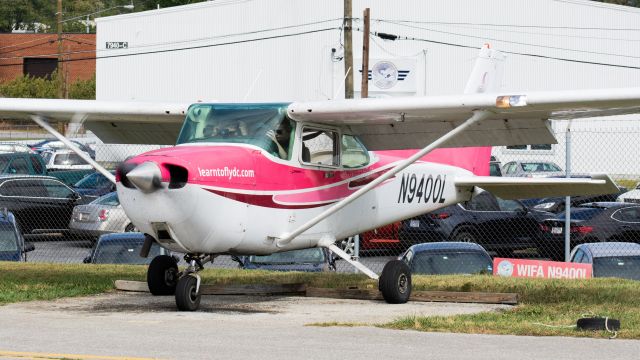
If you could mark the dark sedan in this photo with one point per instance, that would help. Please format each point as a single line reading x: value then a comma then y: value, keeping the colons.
x: 40, y: 203
x: 307, y: 260
x: 498, y: 225
x: 94, y: 185
x: 610, y: 259
x: 591, y: 222
x: 443, y: 258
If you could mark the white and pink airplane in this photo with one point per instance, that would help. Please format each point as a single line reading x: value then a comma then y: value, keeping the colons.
x: 262, y: 178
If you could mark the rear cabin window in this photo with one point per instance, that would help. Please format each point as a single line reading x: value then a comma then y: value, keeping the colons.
x: 319, y: 147
x: 353, y: 152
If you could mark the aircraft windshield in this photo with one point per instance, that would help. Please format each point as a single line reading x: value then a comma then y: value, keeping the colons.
x: 263, y: 125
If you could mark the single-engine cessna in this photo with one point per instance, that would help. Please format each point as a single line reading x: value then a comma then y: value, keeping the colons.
x: 269, y: 177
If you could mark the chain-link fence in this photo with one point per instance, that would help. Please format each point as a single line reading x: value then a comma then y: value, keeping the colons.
x: 63, y: 217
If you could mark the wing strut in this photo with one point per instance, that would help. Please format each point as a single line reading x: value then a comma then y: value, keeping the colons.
x: 478, y: 115
x: 40, y: 121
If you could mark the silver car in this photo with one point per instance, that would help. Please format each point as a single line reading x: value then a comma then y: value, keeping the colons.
x: 102, y: 216
x: 532, y: 169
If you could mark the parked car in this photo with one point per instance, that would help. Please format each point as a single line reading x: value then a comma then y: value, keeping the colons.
x: 557, y: 204
x: 494, y: 167
x: 39, y: 203
x: 12, y: 244
x: 381, y: 241
x: 64, y: 160
x: 122, y: 248
x: 94, y: 185
x: 610, y: 259
x: 632, y: 196
x: 307, y: 260
x: 102, y: 216
x: 55, y: 144
x: 442, y: 258
x: 531, y: 169
x: 24, y: 163
x: 591, y: 222
x: 15, y: 147
x: 498, y: 225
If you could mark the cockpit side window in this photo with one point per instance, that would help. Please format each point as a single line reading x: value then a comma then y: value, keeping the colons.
x: 354, y: 154
x: 320, y: 147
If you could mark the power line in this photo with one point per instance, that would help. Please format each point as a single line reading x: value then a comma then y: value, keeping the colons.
x: 518, y: 42
x: 514, y: 52
x: 185, y: 48
x: 516, y: 25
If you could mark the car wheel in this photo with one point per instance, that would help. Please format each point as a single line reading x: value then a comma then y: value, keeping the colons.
x: 187, y: 296
x: 348, y: 245
x: 395, y: 282
x: 130, y: 228
x: 464, y: 236
x: 162, y: 275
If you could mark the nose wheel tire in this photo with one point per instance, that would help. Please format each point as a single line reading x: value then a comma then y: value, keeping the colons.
x: 162, y: 275
x: 395, y: 282
x: 187, y: 296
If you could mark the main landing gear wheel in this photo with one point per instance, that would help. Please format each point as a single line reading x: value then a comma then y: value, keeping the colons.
x: 162, y: 275
x: 395, y: 282
x: 187, y: 293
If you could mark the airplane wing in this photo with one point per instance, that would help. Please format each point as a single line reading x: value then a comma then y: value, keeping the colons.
x: 526, y: 188
x: 112, y: 121
x: 516, y: 119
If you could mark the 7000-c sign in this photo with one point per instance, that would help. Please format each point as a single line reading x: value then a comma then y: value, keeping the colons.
x: 117, y: 45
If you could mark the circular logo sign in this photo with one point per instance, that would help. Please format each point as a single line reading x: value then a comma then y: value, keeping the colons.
x: 505, y: 268
x: 384, y: 74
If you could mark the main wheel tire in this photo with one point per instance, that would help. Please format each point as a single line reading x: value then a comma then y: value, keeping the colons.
x: 162, y: 275
x: 187, y: 299
x: 464, y: 236
x: 395, y: 282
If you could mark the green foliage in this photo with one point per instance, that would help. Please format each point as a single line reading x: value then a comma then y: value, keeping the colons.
x: 83, y: 89
x: 33, y: 87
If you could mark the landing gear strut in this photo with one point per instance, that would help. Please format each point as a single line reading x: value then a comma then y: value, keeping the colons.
x: 188, y: 289
x: 163, y: 278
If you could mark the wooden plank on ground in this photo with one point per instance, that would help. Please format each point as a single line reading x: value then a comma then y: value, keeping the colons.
x: 249, y: 289
x: 255, y: 289
x: 436, y: 296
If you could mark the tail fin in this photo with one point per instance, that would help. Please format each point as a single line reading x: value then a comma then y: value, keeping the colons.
x: 486, y: 75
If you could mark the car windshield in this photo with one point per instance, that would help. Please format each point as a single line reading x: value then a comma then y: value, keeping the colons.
x: 110, y: 199
x: 233, y: 123
x: 4, y: 161
x: 126, y: 251
x: 8, y: 239
x: 626, y: 267
x: 539, y: 167
x: 451, y: 262
x: 582, y: 213
x: 68, y: 159
x: 93, y: 181
x: 306, y: 256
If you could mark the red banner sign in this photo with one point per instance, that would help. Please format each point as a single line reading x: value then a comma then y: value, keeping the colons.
x: 540, y: 269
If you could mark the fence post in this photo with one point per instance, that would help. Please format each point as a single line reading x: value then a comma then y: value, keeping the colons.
x: 567, y: 201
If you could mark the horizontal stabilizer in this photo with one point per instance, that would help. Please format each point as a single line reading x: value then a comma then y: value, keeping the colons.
x: 527, y: 188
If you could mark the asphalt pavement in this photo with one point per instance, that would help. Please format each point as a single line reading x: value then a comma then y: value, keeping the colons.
x: 121, y: 325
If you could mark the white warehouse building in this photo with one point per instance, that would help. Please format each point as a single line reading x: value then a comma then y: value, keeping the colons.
x: 288, y: 50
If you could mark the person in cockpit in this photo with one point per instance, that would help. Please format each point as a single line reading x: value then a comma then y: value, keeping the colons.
x: 281, y: 137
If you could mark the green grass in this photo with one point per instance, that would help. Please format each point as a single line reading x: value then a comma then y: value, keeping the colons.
x: 546, y: 307
x: 542, y: 302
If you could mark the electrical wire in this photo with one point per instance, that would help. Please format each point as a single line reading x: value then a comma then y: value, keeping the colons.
x: 519, y: 43
x: 182, y: 49
x: 517, y: 53
x: 517, y: 25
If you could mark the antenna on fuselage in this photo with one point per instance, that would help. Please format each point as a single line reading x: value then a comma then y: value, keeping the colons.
x: 253, y: 84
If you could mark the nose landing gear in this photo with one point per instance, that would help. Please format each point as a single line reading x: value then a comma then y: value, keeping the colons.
x: 163, y: 278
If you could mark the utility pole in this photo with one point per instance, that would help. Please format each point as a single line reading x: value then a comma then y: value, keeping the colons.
x: 61, y: 80
x: 348, y: 51
x: 364, y: 90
